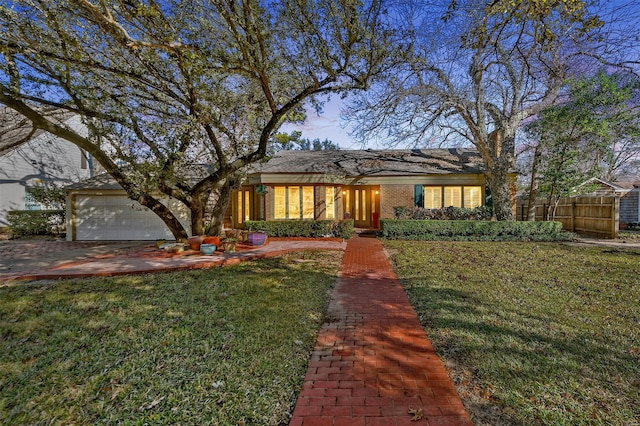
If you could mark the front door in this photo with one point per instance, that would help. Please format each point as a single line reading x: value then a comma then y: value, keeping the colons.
x: 362, y: 204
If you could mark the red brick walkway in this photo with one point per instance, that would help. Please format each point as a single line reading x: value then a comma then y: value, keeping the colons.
x: 373, y: 363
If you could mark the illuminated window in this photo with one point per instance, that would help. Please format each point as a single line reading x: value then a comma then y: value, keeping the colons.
x: 472, y: 196
x: 432, y: 197
x: 293, y: 202
x: 436, y: 197
x: 452, y: 196
x: 280, y: 202
x: 330, y: 205
x: 307, y: 202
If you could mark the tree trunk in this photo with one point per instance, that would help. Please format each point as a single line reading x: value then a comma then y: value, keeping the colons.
x: 166, y: 215
x: 198, y: 209
x: 533, y: 186
x: 500, y: 195
x: 222, y: 204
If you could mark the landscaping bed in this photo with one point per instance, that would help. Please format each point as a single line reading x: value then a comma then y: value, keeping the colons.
x: 219, y: 346
x: 533, y: 333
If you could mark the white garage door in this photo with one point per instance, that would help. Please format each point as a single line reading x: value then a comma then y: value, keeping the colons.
x: 112, y: 218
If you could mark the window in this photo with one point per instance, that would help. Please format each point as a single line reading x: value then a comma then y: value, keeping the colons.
x: 242, y: 206
x: 329, y: 203
x: 452, y: 196
x: 436, y: 197
x: 472, y: 196
x: 432, y: 197
x: 293, y: 202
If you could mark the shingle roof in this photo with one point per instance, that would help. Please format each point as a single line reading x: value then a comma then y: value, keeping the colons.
x: 349, y: 163
x: 15, y: 128
x: 376, y: 162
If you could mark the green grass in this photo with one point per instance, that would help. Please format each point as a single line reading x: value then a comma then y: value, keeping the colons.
x: 548, y: 333
x: 221, y: 346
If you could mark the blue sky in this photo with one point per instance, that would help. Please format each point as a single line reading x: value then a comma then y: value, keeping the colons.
x: 327, y: 125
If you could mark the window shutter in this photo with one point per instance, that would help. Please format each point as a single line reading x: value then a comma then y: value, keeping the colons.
x: 418, y: 196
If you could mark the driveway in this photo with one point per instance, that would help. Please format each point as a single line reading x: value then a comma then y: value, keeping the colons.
x: 28, y: 256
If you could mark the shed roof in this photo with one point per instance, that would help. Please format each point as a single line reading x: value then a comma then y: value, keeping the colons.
x: 375, y: 162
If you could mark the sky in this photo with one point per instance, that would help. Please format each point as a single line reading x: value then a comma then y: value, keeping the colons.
x: 327, y: 125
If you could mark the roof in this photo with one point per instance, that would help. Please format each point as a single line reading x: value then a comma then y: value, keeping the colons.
x: 102, y: 182
x: 375, y: 162
x: 346, y: 163
x: 16, y: 129
x: 598, y: 181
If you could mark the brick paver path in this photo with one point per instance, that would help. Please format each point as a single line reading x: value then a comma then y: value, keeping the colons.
x: 373, y: 363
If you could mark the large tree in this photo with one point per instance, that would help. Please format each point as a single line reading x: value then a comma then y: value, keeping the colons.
x: 593, y: 131
x: 180, y: 96
x: 474, y: 70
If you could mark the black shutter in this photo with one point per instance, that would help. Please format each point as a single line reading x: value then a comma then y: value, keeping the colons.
x: 418, y: 196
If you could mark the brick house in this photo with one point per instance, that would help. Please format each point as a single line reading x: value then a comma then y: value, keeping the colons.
x: 364, y: 185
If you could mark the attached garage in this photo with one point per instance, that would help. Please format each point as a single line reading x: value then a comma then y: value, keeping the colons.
x: 98, y: 210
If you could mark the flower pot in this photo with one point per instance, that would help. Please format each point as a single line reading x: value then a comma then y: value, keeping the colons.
x: 229, y: 246
x: 207, y: 249
x: 257, y: 238
x: 195, y: 241
x: 212, y: 240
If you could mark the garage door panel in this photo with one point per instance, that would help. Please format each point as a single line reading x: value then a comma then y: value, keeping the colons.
x: 116, y: 218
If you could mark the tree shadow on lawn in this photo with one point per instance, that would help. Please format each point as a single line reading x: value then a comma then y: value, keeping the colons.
x: 531, y: 364
x: 133, y: 348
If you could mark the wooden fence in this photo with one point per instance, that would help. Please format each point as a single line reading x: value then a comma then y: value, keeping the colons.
x: 594, y: 216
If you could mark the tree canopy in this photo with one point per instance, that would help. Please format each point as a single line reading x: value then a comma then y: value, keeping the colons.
x: 180, y: 96
x: 593, y: 131
x: 473, y: 71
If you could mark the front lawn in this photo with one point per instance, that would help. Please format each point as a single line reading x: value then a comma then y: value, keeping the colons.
x: 221, y: 346
x: 534, y: 333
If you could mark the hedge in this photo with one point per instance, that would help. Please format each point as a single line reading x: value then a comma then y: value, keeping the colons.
x: 302, y: 228
x: 482, y: 230
x: 35, y: 222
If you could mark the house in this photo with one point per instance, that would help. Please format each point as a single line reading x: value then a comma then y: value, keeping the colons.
x: 364, y: 185
x: 30, y: 159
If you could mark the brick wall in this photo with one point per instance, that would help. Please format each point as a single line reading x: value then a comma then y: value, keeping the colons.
x: 393, y: 196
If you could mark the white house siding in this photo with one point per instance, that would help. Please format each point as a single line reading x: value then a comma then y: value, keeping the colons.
x: 114, y: 217
x: 43, y: 160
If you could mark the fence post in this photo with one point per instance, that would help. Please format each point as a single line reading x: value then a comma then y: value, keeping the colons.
x: 615, y: 220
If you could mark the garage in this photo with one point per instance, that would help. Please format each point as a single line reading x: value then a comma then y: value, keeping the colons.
x: 99, y: 210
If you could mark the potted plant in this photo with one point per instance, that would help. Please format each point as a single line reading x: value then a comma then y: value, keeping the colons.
x: 257, y: 238
x: 229, y: 244
x: 209, y: 239
x: 195, y: 241
x: 207, y: 249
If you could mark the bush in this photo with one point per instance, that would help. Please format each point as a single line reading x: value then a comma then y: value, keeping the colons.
x: 35, y: 222
x: 302, y: 228
x: 447, y: 213
x: 482, y: 230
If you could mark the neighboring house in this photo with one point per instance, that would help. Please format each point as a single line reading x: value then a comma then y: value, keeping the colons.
x: 629, y: 193
x: 363, y: 185
x: 42, y: 160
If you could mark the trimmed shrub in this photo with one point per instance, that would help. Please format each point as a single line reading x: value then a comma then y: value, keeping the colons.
x: 481, y: 230
x: 35, y: 222
x: 446, y: 213
x: 302, y: 228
